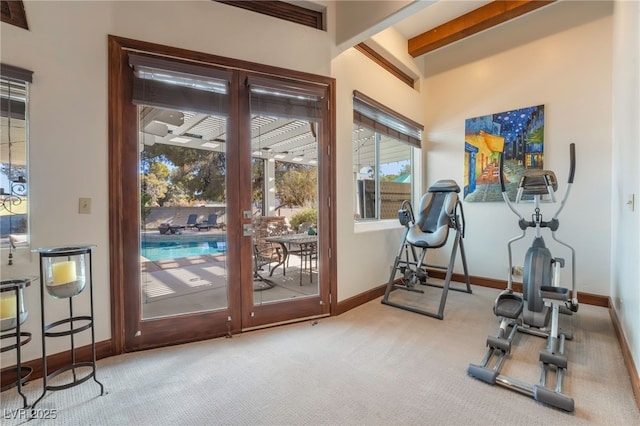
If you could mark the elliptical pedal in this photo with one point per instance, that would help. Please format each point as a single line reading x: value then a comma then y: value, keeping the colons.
x: 508, y: 305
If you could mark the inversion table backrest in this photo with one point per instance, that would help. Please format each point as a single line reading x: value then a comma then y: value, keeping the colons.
x: 432, y: 221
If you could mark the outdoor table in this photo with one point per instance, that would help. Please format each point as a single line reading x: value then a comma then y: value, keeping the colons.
x: 308, y: 246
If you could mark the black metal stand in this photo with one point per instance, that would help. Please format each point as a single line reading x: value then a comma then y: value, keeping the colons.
x: 71, y: 325
x: 22, y: 373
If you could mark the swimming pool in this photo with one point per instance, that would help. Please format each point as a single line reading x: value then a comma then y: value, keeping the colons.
x: 154, y: 251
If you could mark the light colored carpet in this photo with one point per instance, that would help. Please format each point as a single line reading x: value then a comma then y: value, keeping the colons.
x: 374, y: 365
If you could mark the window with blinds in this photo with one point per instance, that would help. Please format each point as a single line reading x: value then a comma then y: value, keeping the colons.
x: 384, y: 147
x: 14, y: 169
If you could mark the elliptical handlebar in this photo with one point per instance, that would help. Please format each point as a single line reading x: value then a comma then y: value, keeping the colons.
x: 501, y: 165
x: 572, y: 172
x: 572, y: 155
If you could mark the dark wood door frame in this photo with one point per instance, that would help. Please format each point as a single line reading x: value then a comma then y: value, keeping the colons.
x: 123, y: 198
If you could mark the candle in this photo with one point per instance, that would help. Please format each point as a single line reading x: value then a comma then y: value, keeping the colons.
x: 8, y: 306
x: 63, y: 272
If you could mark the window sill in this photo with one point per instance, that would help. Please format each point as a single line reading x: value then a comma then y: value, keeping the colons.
x: 376, y: 225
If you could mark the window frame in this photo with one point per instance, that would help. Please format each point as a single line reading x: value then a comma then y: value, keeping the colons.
x: 19, y: 188
x: 383, y: 121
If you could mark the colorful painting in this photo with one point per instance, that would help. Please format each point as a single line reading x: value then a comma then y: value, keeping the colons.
x: 519, y: 134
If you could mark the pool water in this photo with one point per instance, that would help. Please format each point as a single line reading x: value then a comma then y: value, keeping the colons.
x: 175, y: 249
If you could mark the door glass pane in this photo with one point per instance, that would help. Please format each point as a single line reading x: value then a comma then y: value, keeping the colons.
x: 183, y: 205
x: 284, y: 148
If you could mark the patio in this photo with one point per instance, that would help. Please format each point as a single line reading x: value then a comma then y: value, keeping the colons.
x: 198, y: 283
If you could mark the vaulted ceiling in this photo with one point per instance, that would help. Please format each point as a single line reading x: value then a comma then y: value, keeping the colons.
x: 428, y: 32
x: 294, y: 140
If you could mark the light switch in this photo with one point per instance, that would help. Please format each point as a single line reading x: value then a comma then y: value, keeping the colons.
x: 84, y: 205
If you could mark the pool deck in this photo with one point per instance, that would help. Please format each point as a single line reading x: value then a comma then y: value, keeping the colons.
x: 197, y: 283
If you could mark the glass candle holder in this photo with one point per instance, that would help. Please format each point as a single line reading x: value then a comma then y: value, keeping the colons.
x: 64, y: 270
x: 12, y: 305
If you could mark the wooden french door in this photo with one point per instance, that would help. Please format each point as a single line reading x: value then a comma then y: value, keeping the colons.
x: 165, y: 101
x: 286, y: 126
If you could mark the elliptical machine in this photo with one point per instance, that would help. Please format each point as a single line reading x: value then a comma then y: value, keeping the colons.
x: 542, y: 298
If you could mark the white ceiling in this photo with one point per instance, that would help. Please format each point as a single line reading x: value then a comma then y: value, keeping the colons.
x: 437, y: 13
x: 271, y: 137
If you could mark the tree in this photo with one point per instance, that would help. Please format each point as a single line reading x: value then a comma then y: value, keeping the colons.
x: 145, y: 207
x: 155, y: 184
x: 173, y: 175
x: 297, y: 187
x: 195, y: 174
x: 257, y: 180
x: 295, y: 183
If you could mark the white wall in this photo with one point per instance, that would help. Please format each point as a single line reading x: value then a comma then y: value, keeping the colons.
x: 570, y: 73
x: 365, y: 253
x: 625, y: 276
x: 66, y: 49
x: 223, y: 30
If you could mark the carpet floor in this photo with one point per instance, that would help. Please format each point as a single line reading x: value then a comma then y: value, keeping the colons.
x: 373, y: 365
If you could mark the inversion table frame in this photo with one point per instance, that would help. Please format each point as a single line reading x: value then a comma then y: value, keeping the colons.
x: 438, y: 205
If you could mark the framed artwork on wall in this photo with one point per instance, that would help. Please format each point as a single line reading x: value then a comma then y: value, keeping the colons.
x: 519, y: 134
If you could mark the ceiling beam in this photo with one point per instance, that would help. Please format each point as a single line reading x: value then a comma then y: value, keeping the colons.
x: 477, y: 20
x: 385, y: 64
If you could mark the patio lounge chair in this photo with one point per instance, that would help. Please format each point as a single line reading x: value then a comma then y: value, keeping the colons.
x: 192, y: 221
x: 211, y: 222
x: 169, y: 228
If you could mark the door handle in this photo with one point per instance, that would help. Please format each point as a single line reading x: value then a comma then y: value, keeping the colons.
x: 247, y: 229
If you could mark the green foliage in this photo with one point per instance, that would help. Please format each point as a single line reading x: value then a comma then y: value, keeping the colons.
x: 160, y: 170
x: 308, y: 215
x: 192, y: 173
x: 145, y: 206
x: 257, y: 180
x: 172, y: 175
x: 297, y: 186
x: 155, y: 187
x: 406, y: 169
